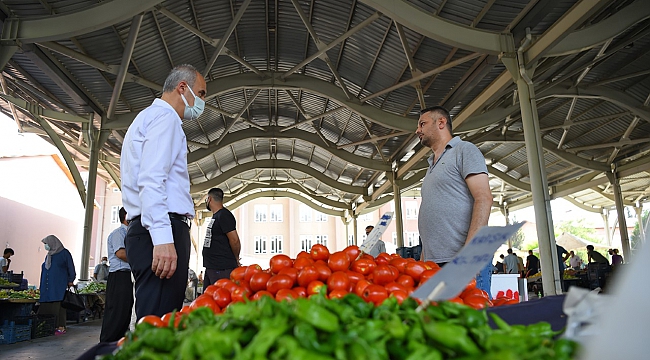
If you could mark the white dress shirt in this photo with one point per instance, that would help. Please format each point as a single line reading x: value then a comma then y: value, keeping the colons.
x: 155, y: 181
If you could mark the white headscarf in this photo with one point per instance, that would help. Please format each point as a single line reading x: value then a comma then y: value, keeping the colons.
x: 55, y: 247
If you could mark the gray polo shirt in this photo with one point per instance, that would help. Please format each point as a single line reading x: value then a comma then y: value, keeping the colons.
x: 446, y: 209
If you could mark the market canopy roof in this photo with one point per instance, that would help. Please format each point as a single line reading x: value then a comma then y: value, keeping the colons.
x: 321, y: 97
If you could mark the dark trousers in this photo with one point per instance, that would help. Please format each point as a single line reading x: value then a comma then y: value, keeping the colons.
x: 212, y: 275
x: 119, y: 303
x: 54, y: 308
x: 153, y: 295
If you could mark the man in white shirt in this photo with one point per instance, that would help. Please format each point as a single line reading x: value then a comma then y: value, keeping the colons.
x: 379, y: 247
x: 574, y: 260
x: 5, y: 260
x: 156, y: 193
x: 511, y: 263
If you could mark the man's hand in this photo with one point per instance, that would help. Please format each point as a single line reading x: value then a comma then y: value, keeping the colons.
x: 164, y: 260
x: 70, y: 284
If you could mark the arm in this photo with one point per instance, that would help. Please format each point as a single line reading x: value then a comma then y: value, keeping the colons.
x: 121, y: 254
x: 235, y: 244
x: 479, y: 187
x: 70, y: 265
x: 5, y: 268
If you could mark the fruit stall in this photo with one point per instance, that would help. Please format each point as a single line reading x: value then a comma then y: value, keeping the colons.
x: 343, y: 305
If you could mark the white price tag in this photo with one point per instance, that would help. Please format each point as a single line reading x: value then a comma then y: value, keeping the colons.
x: 471, y: 259
x: 376, y: 233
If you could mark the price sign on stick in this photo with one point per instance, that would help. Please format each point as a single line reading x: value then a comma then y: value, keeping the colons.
x: 376, y: 233
x: 472, y: 258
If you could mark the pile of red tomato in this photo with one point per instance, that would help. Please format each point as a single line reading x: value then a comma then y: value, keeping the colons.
x: 342, y: 272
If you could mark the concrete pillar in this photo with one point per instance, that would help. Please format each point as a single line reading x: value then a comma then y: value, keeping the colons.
x: 355, y: 229
x: 608, y: 237
x: 506, y: 214
x: 399, y: 219
x: 639, y: 219
x: 620, y: 210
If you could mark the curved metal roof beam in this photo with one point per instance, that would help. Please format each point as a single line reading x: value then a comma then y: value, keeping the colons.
x: 442, y: 30
x: 487, y: 118
x: 509, y: 179
x: 583, y: 206
x: 273, y: 132
x: 65, y: 26
x: 602, y: 31
x: 274, y: 186
x: 288, y: 194
x: 276, y: 164
x: 312, y: 85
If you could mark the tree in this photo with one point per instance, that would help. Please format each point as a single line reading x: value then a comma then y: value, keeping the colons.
x: 580, y: 228
x: 635, y: 238
x: 519, y: 237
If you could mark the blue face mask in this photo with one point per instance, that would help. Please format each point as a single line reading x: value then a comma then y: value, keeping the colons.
x: 193, y: 112
x: 46, y: 247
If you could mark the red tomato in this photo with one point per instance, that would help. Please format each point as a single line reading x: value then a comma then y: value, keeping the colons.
x: 352, y: 251
x: 261, y: 293
x: 319, y: 252
x: 258, y: 281
x: 307, y: 275
x: 415, y: 270
x: 304, y: 254
x: 364, y: 266
x: 167, y: 317
x: 314, y: 287
x: 406, y: 281
x: 477, y: 302
x: 240, y: 294
x: 383, y: 259
x: 354, y: 276
x: 375, y: 294
x: 291, y: 272
x: 472, y: 283
x: 279, y: 262
x: 277, y: 282
x: 324, y: 272
x: 222, y: 282
x: 399, y: 295
x: 499, y: 301
x: 399, y: 263
x: 512, y: 302
x: 383, y: 275
x: 238, y: 273
x: 230, y: 286
x: 153, y: 320
x: 338, y: 281
x: 211, y: 289
x: 427, y: 274
x: 361, y: 286
x: 457, y: 300
x: 393, y: 286
x: 300, y: 291
x: 337, y: 294
x: 473, y: 292
x: 222, y: 297
x: 432, y: 265
x: 186, y: 310
x: 250, y: 271
x: 286, y: 294
x: 339, y: 261
x: 205, y: 301
x: 300, y: 263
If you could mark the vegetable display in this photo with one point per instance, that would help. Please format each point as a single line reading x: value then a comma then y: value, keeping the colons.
x: 5, y: 282
x: 93, y: 288
x: 341, y: 328
x: 24, y: 294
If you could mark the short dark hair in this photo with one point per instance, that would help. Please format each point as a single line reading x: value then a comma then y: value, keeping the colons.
x: 369, y: 226
x: 122, y: 214
x: 509, y: 251
x: 216, y: 194
x: 440, y: 111
x: 590, y: 247
x: 9, y: 250
x: 183, y: 72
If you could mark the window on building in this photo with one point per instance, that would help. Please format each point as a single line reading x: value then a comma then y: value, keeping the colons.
x: 275, y: 245
x: 320, y: 217
x: 260, y: 244
x: 305, y: 213
x: 260, y: 213
x: 276, y: 213
x: 321, y: 239
x: 350, y: 240
x: 411, y: 239
x: 115, y: 214
x: 305, y: 242
x: 411, y: 209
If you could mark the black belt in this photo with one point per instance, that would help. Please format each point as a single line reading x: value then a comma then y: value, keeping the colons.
x: 172, y: 216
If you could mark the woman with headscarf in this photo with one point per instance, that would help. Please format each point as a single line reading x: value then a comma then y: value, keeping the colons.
x: 57, y: 274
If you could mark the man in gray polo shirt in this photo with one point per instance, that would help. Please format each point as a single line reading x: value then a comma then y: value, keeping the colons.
x: 456, y: 195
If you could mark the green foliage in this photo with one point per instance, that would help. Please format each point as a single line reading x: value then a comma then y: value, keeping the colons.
x: 580, y: 228
x: 519, y: 238
x: 635, y: 238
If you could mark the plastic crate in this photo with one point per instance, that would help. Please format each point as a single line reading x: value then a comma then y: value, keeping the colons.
x: 11, y: 333
x: 42, y: 325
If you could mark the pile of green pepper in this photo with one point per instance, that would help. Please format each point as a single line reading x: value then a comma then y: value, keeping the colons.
x: 347, y: 328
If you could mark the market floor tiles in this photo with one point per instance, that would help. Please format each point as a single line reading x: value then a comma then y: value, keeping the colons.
x: 77, y: 340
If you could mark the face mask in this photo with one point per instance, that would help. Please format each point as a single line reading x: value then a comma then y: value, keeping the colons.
x: 47, y: 247
x: 207, y: 203
x: 104, y: 262
x: 193, y: 112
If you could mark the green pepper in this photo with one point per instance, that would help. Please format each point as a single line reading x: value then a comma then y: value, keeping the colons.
x: 159, y: 338
x: 499, y: 322
x: 423, y: 352
x: 210, y: 340
x: 289, y: 349
x: 270, y: 331
x: 361, y: 308
x: 308, y: 338
x: 451, y: 336
x: 316, y: 315
x: 540, y: 329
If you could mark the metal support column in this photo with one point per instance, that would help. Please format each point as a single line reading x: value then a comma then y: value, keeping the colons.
x: 399, y: 223
x: 124, y: 66
x: 355, y: 229
x: 537, y: 174
x: 608, y: 238
x: 506, y: 213
x: 639, y: 218
x: 620, y: 210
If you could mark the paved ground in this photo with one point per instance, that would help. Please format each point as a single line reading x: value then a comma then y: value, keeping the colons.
x: 77, y: 340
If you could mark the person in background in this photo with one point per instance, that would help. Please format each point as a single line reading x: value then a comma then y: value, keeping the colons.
x: 119, y: 288
x: 562, y: 256
x: 102, y: 270
x: 500, y: 268
x: 457, y: 175
x: 595, y: 256
x: 520, y: 266
x: 574, y: 261
x: 194, y: 283
x: 379, y: 247
x: 532, y: 264
x: 616, y: 258
x: 57, y: 274
x: 5, y: 260
x: 511, y: 263
x: 221, y: 246
x: 156, y: 193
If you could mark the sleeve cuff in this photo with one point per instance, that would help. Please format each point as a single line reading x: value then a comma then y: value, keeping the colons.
x: 161, y: 236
